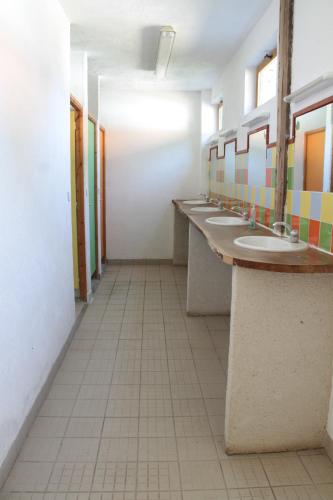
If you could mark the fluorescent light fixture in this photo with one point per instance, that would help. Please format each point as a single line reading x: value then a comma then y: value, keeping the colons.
x: 167, y: 38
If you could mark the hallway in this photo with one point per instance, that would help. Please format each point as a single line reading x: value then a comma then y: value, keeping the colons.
x: 136, y: 409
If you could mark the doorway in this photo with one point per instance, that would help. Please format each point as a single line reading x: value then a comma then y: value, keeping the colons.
x: 92, y: 188
x: 102, y: 169
x: 314, y: 160
x: 77, y: 199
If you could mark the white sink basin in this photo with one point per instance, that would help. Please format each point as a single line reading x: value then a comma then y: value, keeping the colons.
x: 195, y: 202
x: 227, y: 221
x: 206, y: 209
x: 269, y: 244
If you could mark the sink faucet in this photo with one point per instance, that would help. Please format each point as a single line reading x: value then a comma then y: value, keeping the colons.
x: 293, y: 233
x: 240, y: 210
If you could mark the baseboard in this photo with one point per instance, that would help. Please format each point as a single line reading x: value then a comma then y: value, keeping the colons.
x: 328, y: 445
x: 139, y: 261
x: 9, y: 461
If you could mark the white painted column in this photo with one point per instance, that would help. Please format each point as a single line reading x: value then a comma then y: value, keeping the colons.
x: 208, y: 278
x: 280, y: 361
x: 180, y: 239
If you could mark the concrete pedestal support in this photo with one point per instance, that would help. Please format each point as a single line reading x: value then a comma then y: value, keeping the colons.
x: 208, y: 278
x: 280, y: 361
x: 180, y: 239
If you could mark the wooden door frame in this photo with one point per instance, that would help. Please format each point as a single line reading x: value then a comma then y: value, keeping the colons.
x: 103, y: 211
x: 306, y: 135
x: 80, y: 197
x: 96, y: 274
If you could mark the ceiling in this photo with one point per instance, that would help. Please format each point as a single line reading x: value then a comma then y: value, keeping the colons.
x: 121, y: 38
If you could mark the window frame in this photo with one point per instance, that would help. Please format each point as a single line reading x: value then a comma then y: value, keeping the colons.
x: 220, y: 115
x: 265, y: 62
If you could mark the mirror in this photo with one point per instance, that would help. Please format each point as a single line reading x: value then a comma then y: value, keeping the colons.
x: 257, y: 159
x: 313, y: 151
x: 230, y: 163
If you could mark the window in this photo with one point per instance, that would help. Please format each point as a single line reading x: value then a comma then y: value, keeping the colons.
x: 267, y: 78
x: 220, y: 115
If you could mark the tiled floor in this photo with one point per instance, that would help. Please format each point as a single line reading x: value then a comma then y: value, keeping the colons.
x: 136, y: 410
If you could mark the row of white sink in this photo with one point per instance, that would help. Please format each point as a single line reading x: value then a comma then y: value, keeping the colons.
x: 262, y: 243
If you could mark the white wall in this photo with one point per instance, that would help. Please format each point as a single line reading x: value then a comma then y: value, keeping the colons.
x: 313, y: 40
x: 209, y: 125
x: 230, y: 87
x: 36, y: 297
x: 153, y: 154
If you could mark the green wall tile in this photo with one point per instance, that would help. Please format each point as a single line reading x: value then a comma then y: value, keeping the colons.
x: 272, y: 217
x: 290, y: 177
x: 304, y: 229
x: 325, y: 238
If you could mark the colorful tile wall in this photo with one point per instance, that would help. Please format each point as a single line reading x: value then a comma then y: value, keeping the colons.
x: 311, y: 213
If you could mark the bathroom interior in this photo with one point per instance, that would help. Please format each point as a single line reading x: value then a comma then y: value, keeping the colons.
x: 167, y: 250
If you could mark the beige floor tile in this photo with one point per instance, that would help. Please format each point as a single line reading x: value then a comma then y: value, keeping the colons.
x: 155, y: 476
x: 157, y: 449
x: 183, y: 378
x: 125, y: 378
x: 71, y: 477
x: 159, y: 495
x: 97, y: 378
x: 130, y: 391
x: 39, y: 449
x: 28, y: 476
x: 68, y: 377
x: 215, y: 406
x: 196, y: 448
x: 244, y: 473
x: 94, y: 391
x: 49, y: 427
x: 57, y: 408
x: 216, y: 424
x: 150, y: 391
x: 156, y: 408
x: 127, y: 365
x: 122, y: 408
x: 90, y: 408
x: 297, y: 493
x: 120, y: 427
x: 326, y: 491
x: 319, y: 467
x: 206, y: 495
x: 182, y: 365
x: 116, y: 476
x: 192, y: 426
x: 285, y: 471
x: 118, y: 450
x: 251, y: 494
x: 155, y: 378
x: 156, y: 427
x: 154, y: 365
x: 188, y: 407
x: 84, y: 427
x: 100, y: 365
x: 64, y: 391
x: 201, y: 475
x: 186, y: 391
x: 210, y: 390
x: 78, y: 450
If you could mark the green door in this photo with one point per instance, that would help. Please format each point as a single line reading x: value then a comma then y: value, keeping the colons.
x: 92, y: 194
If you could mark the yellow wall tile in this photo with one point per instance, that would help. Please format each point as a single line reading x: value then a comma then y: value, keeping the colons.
x: 262, y: 196
x: 305, y: 204
x: 289, y: 201
x: 291, y: 150
x: 326, y: 214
